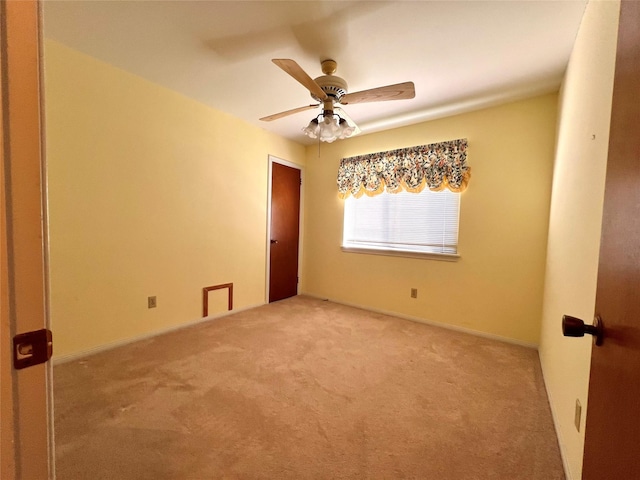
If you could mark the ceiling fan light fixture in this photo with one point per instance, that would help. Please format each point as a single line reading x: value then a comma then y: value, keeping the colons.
x: 312, y: 129
x: 329, y: 129
x: 346, y: 130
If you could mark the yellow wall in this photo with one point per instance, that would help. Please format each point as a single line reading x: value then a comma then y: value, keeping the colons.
x: 575, y: 220
x: 150, y: 193
x: 496, y: 286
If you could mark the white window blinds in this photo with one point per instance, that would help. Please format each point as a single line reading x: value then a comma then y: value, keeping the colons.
x: 425, y: 222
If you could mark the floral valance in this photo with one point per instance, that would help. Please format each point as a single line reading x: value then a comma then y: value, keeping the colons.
x: 436, y: 166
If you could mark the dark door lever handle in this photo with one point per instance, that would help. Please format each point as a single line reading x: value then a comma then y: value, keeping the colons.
x: 574, y: 327
x: 274, y: 241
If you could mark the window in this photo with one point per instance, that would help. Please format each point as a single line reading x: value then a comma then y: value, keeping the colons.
x: 403, y: 223
x: 412, y: 201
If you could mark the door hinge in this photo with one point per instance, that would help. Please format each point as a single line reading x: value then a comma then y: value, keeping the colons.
x: 32, y: 348
x: 297, y: 279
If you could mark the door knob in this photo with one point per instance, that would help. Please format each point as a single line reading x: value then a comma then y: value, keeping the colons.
x: 274, y: 241
x: 574, y: 327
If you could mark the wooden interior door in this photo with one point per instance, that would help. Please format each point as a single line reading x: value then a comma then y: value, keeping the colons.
x: 612, y: 442
x: 285, y: 232
x: 25, y: 434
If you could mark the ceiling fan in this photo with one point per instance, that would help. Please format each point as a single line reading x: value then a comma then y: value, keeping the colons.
x: 332, y: 92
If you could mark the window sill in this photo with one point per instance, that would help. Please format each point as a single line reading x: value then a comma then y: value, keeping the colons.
x: 444, y: 257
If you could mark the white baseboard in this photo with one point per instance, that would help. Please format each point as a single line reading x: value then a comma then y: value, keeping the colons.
x: 556, y: 424
x: 57, y: 360
x: 456, y: 328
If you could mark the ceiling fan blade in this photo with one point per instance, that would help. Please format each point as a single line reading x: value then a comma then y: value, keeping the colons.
x: 296, y: 71
x: 399, y: 91
x: 289, y: 112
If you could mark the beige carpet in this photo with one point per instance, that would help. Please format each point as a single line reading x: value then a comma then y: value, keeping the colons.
x: 306, y: 389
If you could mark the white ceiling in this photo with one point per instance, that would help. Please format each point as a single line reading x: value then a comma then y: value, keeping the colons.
x: 461, y: 55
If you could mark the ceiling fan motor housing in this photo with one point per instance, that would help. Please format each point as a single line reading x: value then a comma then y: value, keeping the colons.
x: 333, y: 86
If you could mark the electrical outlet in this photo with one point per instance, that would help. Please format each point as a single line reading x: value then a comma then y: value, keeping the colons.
x: 151, y: 302
x: 578, y: 414
x: 414, y: 293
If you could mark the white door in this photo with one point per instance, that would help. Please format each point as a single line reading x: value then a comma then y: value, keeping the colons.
x: 25, y: 433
